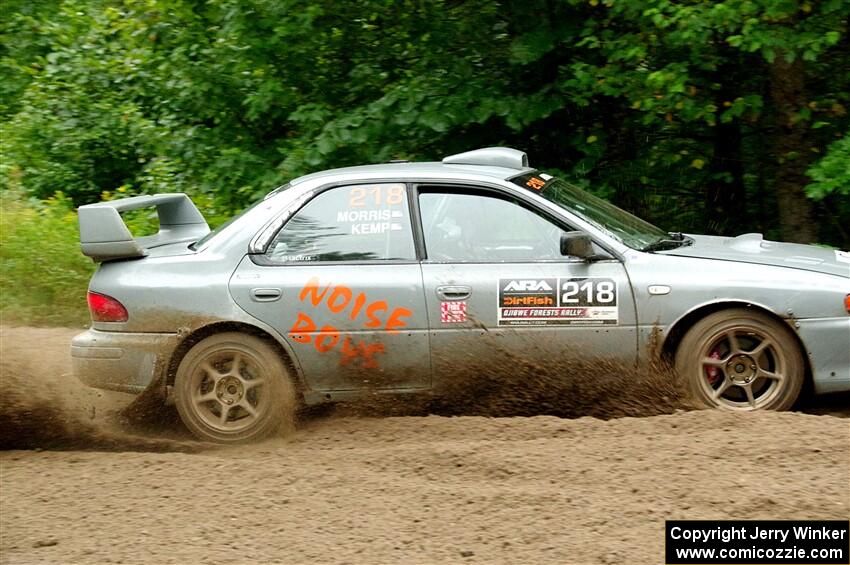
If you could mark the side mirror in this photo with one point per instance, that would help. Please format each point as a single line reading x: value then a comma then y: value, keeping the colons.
x: 577, y: 244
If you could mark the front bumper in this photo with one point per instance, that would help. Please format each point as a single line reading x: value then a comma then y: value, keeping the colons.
x: 122, y: 361
x: 827, y: 343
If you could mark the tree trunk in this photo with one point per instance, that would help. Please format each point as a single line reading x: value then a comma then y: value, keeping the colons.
x: 791, y: 150
x: 725, y: 193
x: 726, y: 199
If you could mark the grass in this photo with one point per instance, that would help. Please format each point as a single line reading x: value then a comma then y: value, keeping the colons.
x: 43, y: 275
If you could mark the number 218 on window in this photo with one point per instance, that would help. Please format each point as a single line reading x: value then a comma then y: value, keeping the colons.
x: 376, y: 196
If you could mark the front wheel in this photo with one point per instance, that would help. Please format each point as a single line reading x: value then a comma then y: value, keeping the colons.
x: 741, y: 360
x: 233, y: 388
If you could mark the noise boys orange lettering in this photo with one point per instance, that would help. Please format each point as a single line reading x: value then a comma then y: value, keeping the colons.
x: 337, y: 299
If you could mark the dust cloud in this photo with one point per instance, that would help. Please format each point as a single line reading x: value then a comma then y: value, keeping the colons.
x: 44, y: 407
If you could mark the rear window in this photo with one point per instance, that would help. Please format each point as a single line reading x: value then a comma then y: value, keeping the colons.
x: 348, y: 223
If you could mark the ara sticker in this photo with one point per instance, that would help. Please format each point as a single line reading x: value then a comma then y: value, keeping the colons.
x: 453, y: 312
x: 558, y: 302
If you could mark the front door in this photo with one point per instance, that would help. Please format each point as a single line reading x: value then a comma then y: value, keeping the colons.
x: 342, y: 283
x: 499, y: 292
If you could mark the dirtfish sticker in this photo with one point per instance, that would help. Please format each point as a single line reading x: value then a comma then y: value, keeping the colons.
x: 558, y: 302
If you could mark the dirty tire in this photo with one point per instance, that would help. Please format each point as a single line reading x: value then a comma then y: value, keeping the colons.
x: 741, y: 359
x: 233, y: 388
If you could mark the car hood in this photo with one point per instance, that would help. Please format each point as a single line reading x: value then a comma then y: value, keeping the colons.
x: 752, y: 248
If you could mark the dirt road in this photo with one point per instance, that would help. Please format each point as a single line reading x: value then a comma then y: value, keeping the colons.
x: 392, y: 490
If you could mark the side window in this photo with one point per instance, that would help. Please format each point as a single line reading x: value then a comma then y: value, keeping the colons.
x: 348, y: 223
x: 478, y: 227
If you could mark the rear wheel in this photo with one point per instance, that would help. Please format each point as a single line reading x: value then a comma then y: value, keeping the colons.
x: 741, y: 360
x: 233, y: 388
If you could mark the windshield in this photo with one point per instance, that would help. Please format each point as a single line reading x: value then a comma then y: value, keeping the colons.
x: 613, y: 221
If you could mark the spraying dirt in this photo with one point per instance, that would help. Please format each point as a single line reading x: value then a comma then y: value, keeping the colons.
x: 109, y: 484
x: 44, y: 407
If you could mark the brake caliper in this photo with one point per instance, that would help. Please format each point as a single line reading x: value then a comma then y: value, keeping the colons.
x: 713, y: 373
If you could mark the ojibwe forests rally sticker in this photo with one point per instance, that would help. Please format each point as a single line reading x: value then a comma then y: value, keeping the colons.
x: 586, y: 301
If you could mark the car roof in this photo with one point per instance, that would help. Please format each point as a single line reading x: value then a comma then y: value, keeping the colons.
x: 485, y: 163
x: 434, y: 170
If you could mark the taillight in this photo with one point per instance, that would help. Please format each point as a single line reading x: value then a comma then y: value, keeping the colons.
x: 105, y: 308
x: 847, y: 303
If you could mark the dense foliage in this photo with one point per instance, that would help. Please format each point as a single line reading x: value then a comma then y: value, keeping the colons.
x: 43, y: 275
x: 720, y: 117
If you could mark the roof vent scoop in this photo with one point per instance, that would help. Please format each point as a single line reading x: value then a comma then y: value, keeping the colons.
x: 491, y: 156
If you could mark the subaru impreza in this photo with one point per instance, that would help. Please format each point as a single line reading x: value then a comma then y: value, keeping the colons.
x: 387, y: 277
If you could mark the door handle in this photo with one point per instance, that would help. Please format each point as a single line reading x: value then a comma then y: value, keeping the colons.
x: 453, y: 292
x: 265, y: 294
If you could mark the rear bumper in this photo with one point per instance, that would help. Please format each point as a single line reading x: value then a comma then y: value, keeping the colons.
x: 827, y: 342
x: 122, y: 361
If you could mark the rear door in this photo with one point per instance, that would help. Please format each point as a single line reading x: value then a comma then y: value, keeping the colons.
x: 342, y: 283
x: 499, y: 292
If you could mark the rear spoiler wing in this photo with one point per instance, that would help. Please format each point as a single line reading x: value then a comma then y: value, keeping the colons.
x: 104, y: 236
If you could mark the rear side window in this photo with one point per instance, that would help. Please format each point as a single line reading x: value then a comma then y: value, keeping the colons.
x: 348, y: 223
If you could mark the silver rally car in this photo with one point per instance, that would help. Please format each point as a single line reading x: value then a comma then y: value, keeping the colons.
x: 387, y: 277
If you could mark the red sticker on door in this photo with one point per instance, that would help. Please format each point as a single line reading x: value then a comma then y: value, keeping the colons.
x: 453, y: 312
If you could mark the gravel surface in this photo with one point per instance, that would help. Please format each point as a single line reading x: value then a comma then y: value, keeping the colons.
x: 428, y: 489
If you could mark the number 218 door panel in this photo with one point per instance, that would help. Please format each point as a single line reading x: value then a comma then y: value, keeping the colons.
x: 539, y: 313
x: 498, y: 288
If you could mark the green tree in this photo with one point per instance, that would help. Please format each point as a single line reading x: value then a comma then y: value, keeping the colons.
x: 702, y: 116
